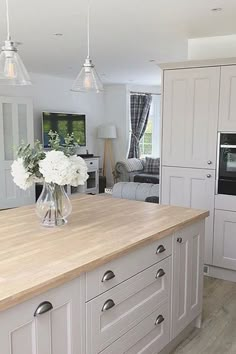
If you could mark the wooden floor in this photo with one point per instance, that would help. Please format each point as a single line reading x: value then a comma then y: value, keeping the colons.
x: 218, y: 332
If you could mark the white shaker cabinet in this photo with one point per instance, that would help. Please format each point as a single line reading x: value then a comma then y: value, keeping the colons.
x: 58, y: 330
x: 224, y: 253
x: 187, y: 276
x: 190, y: 117
x: 227, y: 114
x: 193, y: 188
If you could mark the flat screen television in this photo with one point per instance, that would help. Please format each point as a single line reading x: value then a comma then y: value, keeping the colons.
x: 63, y: 124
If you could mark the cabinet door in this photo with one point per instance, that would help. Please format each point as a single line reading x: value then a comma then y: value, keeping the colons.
x: 190, y: 117
x: 187, y: 276
x: 191, y: 188
x: 224, y: 254
x: 227, y: 121
x: 56, y: 331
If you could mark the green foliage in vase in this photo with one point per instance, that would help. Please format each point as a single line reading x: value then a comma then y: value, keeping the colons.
x: 69, y: 147
x: 31, y: 157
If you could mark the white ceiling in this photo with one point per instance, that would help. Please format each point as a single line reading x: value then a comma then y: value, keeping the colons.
x: 125, y: 34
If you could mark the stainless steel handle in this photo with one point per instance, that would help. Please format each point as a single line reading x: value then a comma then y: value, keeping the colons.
x: 160, y: 249
x: 160, y: 273
x: 209, y: 162
x: 208, y: 175
x: 179, y: 240
x: 159, y: 320
x: 108, y: 305
x: 228, y: 146
x: 42, y: 308
x: 108, y: 276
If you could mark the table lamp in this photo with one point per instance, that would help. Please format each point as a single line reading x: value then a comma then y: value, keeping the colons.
x: 107, y: 132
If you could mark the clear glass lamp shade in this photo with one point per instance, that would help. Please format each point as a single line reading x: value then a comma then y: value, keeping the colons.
x: 12, y: 69
x: 87, y: 80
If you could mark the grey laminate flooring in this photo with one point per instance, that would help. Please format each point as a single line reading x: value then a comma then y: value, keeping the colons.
x: 218, y: 332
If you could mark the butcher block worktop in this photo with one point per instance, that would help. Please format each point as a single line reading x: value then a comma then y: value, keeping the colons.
x: 34, y: 259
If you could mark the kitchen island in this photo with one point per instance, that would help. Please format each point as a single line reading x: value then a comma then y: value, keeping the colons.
x: 121, y: 277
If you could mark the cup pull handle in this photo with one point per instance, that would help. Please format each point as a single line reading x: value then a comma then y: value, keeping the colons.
x: 160, y: 249
x: 43, y: 308
x: 160, y: 273
x: 108, y: 276
x: 159, y: 320
x: 108, y: 305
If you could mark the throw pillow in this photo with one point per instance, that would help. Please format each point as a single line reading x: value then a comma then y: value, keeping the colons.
x: 152, y: 165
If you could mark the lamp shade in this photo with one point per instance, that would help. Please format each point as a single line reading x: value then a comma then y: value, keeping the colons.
x: 88, y: 79
x: 12, y: 69
x: 107, y: 132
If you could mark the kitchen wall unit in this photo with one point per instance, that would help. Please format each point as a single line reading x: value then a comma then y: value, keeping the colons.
x: 227, y: 117
x: 199, y: 100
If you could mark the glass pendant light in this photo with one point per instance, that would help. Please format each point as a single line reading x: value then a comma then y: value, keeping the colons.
x: 88, y: 79
x: 12, y: 69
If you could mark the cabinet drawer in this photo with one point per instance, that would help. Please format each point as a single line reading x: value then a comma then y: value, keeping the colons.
x: 92, y: 164
x: 113, y: 313
x: 148, y: 337
x: 125, y: 267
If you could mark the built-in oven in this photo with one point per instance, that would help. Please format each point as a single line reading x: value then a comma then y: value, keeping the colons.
x: 227, y: 164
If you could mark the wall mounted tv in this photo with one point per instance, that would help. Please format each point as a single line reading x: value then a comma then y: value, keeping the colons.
x: 64, y: 123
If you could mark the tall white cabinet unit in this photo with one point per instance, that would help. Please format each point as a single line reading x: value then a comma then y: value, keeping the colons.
x: 189, y: 139
x: 16, y: 125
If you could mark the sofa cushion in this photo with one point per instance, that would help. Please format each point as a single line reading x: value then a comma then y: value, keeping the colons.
x: 131, y: 164
x: 146, y: 178
x: 152, y: 165
x: 134, y: 190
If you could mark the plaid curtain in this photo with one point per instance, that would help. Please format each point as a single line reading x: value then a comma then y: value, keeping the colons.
x: 139, y: 112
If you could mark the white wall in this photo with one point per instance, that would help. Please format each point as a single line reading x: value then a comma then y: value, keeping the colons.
x: 212, y: 47
x: 53, y: 94
x: 116, y: 103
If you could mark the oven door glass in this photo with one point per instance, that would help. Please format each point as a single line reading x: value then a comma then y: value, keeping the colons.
x: 227, y: 168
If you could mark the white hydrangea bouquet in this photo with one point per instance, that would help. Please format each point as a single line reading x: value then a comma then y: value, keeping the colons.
x: 56, y: 168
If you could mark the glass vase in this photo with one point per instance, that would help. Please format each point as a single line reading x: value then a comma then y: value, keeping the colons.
x: 53, y: 205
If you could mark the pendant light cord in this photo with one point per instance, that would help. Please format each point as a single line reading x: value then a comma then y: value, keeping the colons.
x: 88, y: 29
x: 8, y: 21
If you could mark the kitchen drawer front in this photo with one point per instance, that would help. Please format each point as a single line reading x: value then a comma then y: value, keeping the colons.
x: 92, y: 164
x: 148, y: 337
x: 125, y: 267
x: 112, y: 314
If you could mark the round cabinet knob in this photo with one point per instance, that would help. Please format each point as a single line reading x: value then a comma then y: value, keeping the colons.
x: 179, y: 240
x: 209, y: 162
x: 108, y: 276
x: 108, y: 305
x: 208, y: 175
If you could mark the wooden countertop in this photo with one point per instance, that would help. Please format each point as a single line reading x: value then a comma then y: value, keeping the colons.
x: 34, y: 259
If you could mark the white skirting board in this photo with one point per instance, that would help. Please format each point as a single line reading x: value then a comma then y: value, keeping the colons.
x: 221, y: 273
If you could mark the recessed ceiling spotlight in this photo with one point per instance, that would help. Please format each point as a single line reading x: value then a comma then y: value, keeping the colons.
x: 217, y: 9
x: 152, y: 60
x: 58, y: 34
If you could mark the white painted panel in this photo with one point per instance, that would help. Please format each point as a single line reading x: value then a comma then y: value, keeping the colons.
x: 224, y: 254
x: 59, y: 331
x: 146, y: 337
x: 227, y: 121
x: 126, y: 267
x: 187, y: 276
x: 190, y: 117
x: 134, y: 299
x: 192, y: 188
x: 23, y: 339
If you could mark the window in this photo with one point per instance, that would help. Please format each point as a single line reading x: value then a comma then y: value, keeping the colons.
x: 149, y: 144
